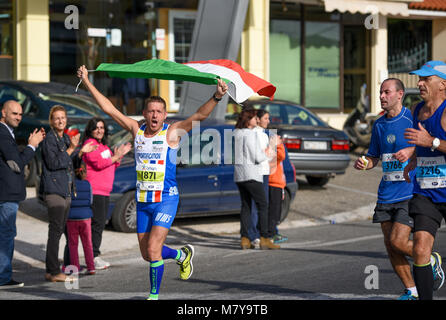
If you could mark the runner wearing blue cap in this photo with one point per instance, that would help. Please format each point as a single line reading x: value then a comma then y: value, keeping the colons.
x: 428, y: 204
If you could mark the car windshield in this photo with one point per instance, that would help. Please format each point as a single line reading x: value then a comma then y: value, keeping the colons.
x: 290, y: 115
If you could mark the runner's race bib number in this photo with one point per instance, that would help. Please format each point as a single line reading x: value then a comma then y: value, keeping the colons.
x: 150, y: 180
x: 431, y: 172
x: 392, y: 168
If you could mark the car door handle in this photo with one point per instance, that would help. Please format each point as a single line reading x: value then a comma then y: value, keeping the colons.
x: 213, y: 177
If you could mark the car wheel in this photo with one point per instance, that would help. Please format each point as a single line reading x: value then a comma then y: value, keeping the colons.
x: 124, y: 213
x: 317, y: 181
x: 285, y: 206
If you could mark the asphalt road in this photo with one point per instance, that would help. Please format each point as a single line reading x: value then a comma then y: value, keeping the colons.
x: 327, y: 262
x: 333, y: 246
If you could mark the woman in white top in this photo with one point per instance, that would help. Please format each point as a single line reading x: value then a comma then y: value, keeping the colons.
x: 249, y: 178
x: 262, y: 124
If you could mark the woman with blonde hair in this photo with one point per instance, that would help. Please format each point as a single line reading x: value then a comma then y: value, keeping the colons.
x: 56, y: 184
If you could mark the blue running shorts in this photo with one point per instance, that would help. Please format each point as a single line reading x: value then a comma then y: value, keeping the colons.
x: 155, y: 214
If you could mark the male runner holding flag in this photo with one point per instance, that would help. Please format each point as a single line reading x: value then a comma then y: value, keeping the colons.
x: 156, y: 187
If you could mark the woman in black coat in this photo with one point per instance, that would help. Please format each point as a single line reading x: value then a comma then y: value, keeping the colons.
x: 56, y: 184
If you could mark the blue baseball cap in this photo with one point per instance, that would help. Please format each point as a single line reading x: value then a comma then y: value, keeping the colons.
x: 432, y: 68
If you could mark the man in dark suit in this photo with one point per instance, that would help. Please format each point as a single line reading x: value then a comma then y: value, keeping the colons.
x: 12, y: 184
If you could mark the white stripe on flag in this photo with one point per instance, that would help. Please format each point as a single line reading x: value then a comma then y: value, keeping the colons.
x: 242, y: 90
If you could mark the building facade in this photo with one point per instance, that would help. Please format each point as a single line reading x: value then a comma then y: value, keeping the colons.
x: 317, y: 52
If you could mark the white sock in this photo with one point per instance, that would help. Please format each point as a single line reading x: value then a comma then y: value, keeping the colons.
x: 183, y: 256
x: 414, y: 291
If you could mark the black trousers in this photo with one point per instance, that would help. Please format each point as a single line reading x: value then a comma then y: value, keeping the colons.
x: 100, y: 210
x: 274, y: 209
x: 249, y: 191
x: 58, y: 209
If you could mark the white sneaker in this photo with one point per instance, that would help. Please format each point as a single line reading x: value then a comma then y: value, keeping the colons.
x: 100, y: 264
x: 256, y: 242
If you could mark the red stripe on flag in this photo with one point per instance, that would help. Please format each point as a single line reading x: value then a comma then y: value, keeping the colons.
x: 257, y: 84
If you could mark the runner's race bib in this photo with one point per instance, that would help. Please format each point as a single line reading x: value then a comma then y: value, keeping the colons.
x: 150, y: 177
x: 392, y: 168
x: 431, y: 172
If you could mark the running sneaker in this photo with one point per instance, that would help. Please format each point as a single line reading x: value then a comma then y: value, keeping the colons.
x: 278, y: 238
x: 407, y: 295
x: 437, y: 271
x: 100, y: 264
x: 186, y: 267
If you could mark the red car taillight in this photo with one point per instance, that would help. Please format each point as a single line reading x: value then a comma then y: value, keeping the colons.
x: 340, y: 145
x: 292, y: 143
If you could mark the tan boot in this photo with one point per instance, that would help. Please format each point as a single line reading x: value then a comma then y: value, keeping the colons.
x: 267, y: 243
x: 246, y: 244
x: 61, y: 277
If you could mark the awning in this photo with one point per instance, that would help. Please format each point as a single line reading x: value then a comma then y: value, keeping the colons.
x: 385, y: 8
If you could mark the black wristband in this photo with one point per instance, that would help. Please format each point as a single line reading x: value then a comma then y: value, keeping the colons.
x: 215, y: 98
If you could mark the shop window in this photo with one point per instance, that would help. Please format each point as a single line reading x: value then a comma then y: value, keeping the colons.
x: 409, y: 44
x: 285, y: 58
x: 181, y: 27
x: 322, y: 59
x: 355, y: 64
x: 6, y: 42
x: 109, y: 32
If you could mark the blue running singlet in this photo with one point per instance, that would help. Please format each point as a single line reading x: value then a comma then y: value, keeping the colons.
x: 431, y: 165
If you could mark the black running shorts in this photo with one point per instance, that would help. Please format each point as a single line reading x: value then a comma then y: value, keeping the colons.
x: 394, y: 212
x: 426, y: 214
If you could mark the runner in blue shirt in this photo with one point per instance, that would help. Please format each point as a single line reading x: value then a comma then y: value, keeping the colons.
x: 392, y: 208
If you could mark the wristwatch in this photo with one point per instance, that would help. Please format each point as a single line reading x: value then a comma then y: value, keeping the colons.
x: 216, y: 99
x: 435, y: 144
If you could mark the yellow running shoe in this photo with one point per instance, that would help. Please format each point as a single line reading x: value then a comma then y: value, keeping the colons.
x: 186, y: 267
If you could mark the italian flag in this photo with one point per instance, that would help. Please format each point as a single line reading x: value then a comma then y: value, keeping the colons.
x: 245, y: 84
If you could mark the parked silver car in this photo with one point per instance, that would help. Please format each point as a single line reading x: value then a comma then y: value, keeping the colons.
x: 317, y: 150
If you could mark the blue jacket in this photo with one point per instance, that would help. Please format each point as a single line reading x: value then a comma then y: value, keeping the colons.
x: 57, y: 166
x: 12, y: 184
x: 81, y: 201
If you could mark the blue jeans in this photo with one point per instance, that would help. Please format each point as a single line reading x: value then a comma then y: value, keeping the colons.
x: 253, y: 230
x: 8, y: 231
